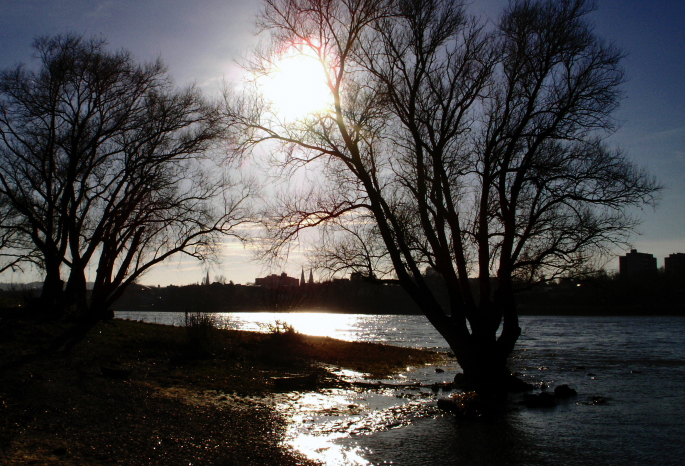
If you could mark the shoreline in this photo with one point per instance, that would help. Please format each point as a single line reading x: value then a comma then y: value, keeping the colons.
x: 176, y: 400
x: 556, y: 311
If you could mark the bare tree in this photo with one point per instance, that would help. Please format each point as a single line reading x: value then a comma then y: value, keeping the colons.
x: 171, y: 204
x: 346, y: 247
x: 104, y: 161
x: 15, y: 252
x: 479, y: 153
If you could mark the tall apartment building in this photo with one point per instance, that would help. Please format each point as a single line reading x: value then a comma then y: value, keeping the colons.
x: 675, y: 264
x: 636, y: 264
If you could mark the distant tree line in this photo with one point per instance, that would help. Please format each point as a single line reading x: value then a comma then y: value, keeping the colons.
x: 359, y: 297
x: 658, y: 294
x: 599, y: 294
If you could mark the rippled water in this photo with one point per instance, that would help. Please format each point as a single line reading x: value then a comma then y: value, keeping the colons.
x: 637, y: 363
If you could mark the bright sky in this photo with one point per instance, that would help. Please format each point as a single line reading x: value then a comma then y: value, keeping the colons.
x: 201, y: 40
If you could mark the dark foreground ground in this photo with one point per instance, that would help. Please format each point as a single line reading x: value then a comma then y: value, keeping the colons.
x: 176, y: 395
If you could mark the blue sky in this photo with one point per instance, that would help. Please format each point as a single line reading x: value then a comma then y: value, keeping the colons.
x: 201, y: 40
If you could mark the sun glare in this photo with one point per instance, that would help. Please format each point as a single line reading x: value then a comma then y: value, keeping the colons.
x: 297, y: 87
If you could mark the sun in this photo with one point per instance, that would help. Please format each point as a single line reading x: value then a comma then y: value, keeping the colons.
x: 297, y: 86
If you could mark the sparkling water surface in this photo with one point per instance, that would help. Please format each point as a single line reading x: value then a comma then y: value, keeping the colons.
x: 637, y: 364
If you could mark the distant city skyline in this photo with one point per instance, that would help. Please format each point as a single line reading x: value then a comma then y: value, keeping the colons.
x: 200, y: 42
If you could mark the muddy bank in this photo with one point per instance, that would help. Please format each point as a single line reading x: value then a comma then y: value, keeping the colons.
x: 173, y: 397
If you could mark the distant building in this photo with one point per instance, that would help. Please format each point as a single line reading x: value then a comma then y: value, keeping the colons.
x: 675, y: 264
x: 274, y: 281
x: 637, y: 264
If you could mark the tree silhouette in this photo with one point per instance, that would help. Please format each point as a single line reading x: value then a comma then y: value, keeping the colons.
x: 104, y: 162
x: 15, y: 251
x: 476, y: 151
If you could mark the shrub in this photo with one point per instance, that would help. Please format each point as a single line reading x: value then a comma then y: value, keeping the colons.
x: 281, y: 328
x: 200, y: 329
x: 284, y: 344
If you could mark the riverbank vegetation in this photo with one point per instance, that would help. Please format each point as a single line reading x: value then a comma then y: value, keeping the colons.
x: 139, y: 393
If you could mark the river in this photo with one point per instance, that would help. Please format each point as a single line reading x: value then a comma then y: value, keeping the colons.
x: 636, y: 364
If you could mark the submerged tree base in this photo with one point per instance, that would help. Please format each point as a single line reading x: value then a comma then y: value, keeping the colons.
x: 507, y: 383
x: 477, y: 402
x: 473, y: 406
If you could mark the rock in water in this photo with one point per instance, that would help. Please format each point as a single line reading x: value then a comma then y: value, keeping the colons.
x: 564, y: 391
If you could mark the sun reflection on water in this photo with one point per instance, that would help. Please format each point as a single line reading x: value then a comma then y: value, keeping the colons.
x: 341, y: 326
x: 320, y: 424
x: 324, y: 450
x: 303, y: 411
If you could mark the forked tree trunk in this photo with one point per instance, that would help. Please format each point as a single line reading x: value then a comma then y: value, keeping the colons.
x: 52, y: 293
x: 485, y: 366
x: 102, y: 299
x: 76, y: 290
x: 483, y: 356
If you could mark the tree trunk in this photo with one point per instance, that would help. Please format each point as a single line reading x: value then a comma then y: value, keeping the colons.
x: 100, y: 301
x: 485, y: 367
x: 483, y: 357
x: 52, y: 293
x: 511, y: 331
x: 76, y: 289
